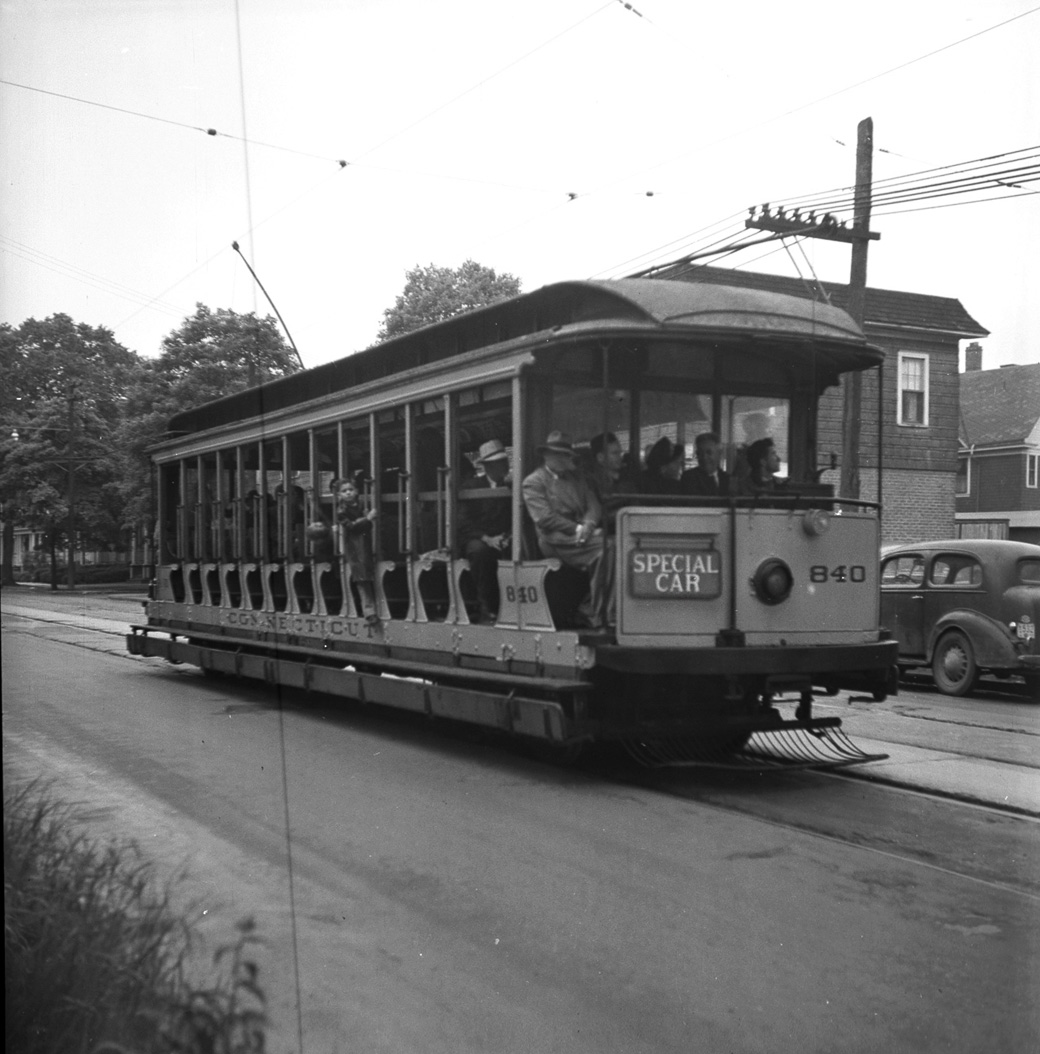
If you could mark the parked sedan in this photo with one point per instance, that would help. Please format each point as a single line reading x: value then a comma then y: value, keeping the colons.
x: 964, y: 607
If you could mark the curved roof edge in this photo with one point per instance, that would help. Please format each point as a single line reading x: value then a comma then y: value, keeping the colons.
x: 710, y: 308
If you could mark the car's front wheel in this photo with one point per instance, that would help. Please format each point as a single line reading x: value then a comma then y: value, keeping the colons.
x: 953, y: 664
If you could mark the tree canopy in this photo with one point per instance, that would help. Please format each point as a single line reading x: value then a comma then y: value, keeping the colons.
x: 432, y: 294
x: 61, y: 405
x: 216, y: 353
x: 210, y: 355
x: 74, y: 396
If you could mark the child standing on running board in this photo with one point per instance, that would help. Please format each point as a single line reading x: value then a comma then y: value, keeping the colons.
x: 354, y: 527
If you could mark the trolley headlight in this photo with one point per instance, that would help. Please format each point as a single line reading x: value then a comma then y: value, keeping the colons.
x: 816, y: 522
x: 772, y: 581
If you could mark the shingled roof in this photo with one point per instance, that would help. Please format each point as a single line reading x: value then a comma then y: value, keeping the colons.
x: 884, y: 307
x: 999, y: 407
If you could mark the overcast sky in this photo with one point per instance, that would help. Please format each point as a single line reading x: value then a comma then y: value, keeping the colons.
x: 552, y: 139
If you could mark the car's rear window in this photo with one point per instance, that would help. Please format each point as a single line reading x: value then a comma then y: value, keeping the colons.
x: 955, y: 570
x: 906, y: 570
x: 1029, y: 572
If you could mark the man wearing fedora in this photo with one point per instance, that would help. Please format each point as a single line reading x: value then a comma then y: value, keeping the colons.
x: 485, y: 525
x: 567, y: 517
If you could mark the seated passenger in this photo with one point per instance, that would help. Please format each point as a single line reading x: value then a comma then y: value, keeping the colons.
x: 763, y: 462
x: 567, y: 517
x: 706, y: 479
x: 485, y: 526
x: 664, y: 468
x: 609, y: 473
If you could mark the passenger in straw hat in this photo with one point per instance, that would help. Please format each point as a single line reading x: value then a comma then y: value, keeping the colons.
x: 567, y: 517
x: 486, y: 524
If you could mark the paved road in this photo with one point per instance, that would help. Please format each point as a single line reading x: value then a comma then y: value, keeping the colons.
x: 450, y: 895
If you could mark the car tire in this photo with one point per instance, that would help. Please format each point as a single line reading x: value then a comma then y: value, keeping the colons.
x: 953, y: 664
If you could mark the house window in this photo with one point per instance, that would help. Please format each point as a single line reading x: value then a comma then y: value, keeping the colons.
x: 913, y: 390
x: 963, y: 486
x: 1032, y: 469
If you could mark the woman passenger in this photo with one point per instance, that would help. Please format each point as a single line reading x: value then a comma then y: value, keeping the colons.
x: 664, y: 468
x: 763, y: 464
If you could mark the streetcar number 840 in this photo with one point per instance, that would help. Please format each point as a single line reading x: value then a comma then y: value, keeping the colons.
x: 841, y: 573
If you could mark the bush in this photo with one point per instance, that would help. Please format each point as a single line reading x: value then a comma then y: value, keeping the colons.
x: 96, y: 960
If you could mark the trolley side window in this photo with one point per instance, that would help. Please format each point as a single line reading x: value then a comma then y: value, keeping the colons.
x: 642, y: 392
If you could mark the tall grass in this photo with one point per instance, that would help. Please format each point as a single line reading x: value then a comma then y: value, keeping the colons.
x: 97, y: 961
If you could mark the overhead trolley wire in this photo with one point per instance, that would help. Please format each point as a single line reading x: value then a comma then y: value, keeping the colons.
x: 964, y: 177
x: 69, y: 270
x: 481, y: 83
x: 168, y: 120
x: 825, y: 98
x: 1008, y: 169
x: 304, y: 153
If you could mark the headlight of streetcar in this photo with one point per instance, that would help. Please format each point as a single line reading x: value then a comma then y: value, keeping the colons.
x: 816, y: 522
x: 772, y: 582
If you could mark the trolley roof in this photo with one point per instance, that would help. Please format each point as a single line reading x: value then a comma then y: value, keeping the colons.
x: 626, y: 306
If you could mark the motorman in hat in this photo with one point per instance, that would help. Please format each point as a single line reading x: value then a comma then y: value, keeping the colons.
x: 568, y: 517
x: 486, y: 523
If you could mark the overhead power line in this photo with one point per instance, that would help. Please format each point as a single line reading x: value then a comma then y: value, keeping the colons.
x: 56, y: 265
x: 708, y: 144
x: 1010, y: 173
x: 1010, y: 170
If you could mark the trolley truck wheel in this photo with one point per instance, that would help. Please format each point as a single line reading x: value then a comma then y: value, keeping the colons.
x: 953, y: 664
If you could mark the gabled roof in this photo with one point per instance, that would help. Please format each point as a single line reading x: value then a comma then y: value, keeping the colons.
x: 999, y: 407
x: 884, y: 307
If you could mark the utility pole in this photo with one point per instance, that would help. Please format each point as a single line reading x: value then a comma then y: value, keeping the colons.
x: 853, y: 421
x: 859, y: 235
x: 72, y: 489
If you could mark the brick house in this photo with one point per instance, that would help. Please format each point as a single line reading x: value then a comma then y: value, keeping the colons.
x: 998, y: 485
x: 920, y: 335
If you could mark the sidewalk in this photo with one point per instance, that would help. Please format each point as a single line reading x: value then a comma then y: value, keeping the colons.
x: 995, y: 783
x: 116, y: 589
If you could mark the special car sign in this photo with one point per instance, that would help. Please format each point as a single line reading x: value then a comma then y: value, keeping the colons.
x: 675, y: 572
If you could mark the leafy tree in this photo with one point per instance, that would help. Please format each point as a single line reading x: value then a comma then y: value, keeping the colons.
x: 216, y: 353
x: 60, y: 405
x: 72, y: 392
x: 432, y: 294
x: 210, y: 355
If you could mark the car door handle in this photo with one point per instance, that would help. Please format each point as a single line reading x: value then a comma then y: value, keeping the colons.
x: 918, y: 596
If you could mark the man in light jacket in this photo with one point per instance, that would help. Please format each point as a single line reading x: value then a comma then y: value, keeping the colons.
x: 567, y: 517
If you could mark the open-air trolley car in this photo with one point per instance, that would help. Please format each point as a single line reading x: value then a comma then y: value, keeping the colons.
x: 722, y: 604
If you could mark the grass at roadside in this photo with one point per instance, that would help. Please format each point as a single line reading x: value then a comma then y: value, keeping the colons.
x: 97, y: 961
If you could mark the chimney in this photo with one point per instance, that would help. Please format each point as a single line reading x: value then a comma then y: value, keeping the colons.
x: 973, y: 357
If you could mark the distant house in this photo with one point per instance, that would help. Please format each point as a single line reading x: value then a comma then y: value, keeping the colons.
x: 998, y: 482
x: 921, y: 336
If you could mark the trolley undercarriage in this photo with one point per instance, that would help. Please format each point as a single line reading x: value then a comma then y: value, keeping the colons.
x: 668, y: 718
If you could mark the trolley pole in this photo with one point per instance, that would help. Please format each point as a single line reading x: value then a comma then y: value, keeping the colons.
x: 853, y: 382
